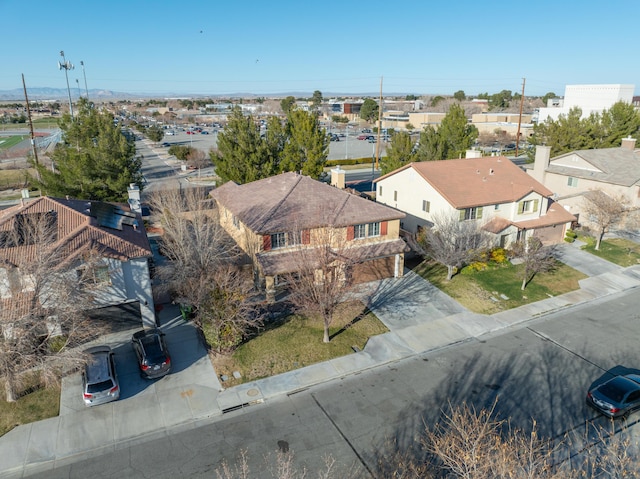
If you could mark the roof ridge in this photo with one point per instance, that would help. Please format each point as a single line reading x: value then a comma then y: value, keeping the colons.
x: 275, y: 208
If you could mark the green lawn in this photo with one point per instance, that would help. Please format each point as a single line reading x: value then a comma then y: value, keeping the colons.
x: 617, y: 250
x: 475, y: 290
x: 40, y: 404
x: 297, y: 342
x: 9, y: 141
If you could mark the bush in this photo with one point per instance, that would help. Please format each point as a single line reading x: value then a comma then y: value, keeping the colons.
x: 350, y: 161
x: 569, y: 240
x: 571, y: 234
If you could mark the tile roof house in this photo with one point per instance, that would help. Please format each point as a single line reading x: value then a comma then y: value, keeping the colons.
x: 117, y: 234
x: 272, y: 218
x: 491, y: 190
x: 615, y: 171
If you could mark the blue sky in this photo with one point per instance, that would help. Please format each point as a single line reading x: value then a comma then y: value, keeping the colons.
x: 263, y: 47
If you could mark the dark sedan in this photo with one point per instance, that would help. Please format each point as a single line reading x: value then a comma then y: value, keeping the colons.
x: 617, y: 397
x: 153, y: 356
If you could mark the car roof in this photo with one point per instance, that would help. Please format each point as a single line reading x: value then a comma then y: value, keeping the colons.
x: 624, y: 383
x: 97, y: 369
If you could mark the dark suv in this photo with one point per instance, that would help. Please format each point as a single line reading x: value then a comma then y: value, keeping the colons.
x: 99, y: 378
x: 618, y: 397
x: 153, y: 356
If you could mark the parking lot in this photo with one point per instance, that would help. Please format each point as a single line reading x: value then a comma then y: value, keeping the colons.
x: 347, y: 147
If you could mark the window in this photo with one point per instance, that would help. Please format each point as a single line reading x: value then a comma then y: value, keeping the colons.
x: 379, y: 190
x: 426, y: 206
x: 395, y: 196
x: 366, y: 230
x: 294, y: 238
x: 527, y: 206
x: 573, y: 182
x: 496, y: 207
x: 94, y: 274
x: 474, y: 213
x: 278, y: 240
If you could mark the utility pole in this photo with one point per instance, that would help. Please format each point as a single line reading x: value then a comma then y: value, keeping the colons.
x: 520, y: 117
x: 379, y: 126
x: 66, y: 66
x: 33, y: 141
x: 85, y: 80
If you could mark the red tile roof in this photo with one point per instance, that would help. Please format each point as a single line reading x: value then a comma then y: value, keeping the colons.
x: 277, y: 203
x: 78, y: 231
x: 472, y: 182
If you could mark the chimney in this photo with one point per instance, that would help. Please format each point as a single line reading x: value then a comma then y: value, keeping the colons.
x: 628, y: 143
x: 134, y: 198
x: 473, y: 153
x: 338, y: 177
x: 543, y: 155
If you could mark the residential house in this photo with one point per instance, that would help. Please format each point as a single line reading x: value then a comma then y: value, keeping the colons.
x: 615, y: 171
x: 491, y: 190
x: 122, y: 273
x: 272, y: 218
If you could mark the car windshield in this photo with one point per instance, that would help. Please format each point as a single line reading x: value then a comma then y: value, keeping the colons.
x: 613, y: 391
x: 99, y: 387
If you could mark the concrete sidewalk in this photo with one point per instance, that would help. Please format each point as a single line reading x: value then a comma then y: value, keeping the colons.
x: 420, y: 318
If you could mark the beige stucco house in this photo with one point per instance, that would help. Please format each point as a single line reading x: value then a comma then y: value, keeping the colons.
x: 491, y: 190
x: 615, y: 171
x: 273, y: 218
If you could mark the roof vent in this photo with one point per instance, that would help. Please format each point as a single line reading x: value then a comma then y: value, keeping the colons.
x: 491, y: 171
x: 477, y: 172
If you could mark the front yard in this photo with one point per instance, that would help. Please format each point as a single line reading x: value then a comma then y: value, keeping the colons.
x: 498, y: 287
x: 296, y: 342
x: 616, y: 250
x: 34, y: 406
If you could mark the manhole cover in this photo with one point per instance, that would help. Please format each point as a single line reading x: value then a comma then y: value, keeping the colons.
x: 253, y: 392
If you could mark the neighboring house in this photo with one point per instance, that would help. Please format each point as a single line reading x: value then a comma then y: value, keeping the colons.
x: 491, y: 190
x: 122, y: 273
x: 615, y: 171
x: 271, y: 219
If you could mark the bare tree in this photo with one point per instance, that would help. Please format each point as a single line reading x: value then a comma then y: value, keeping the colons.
x: 605, y: 211
x: 535, y: 258
x: 198, y: 159
x: 322, y: 280
x: 203, y: 270
x: 453, y: 242
x: 45, y: 292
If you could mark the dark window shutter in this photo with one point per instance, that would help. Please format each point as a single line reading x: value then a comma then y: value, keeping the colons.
x: 306, y: 236
x: 266, y: 242
x: 350, y: 233
x: 383, y: 228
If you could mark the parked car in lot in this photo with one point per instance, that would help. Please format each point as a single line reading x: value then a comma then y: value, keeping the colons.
x: 99, y: 378
x: 334, y: 138
x: 153, y: 356
x: 204, y: 132
x: 363, y: 137
x: 189, y: 132
x: 618, y: 397
x: 366, y: 130
x: 170, y: 133
x: 166, y: 145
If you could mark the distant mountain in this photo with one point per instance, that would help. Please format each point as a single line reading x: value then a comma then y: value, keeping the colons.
x: 46, y: 93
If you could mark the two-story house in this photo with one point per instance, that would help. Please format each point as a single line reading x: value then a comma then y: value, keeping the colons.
x: 119, y: 275
x: 615, y: 171
x: 491, y: 190
x: 272, y: 218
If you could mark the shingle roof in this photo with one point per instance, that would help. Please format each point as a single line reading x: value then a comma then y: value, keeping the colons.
x: 619, y: 166
x: 275, y: 204
x: 77, y: 231
x: 472, y: 182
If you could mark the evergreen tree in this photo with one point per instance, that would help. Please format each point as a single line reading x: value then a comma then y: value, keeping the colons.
x: 451, y: 140
x: 399, y: 153
x: 307, y: 145
x: 95, y: 161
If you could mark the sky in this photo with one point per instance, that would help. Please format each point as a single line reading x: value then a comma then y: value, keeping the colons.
x: 211, y: 47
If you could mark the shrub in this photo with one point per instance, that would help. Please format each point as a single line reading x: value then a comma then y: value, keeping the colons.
x: 571, y: 234
x: 569, y: 239
x: 498, y: 255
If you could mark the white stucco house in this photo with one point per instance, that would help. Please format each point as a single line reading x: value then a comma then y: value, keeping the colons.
x: 491, y: 190
x: 121, y: 274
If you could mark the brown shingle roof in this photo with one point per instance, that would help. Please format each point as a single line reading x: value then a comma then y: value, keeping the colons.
x: 277, y: 203
x: 77, y: 230
x: 472, y: 182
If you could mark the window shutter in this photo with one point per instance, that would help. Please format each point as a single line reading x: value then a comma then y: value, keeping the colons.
x: 266, y: 242
x: 535, y: 206
x: 479, y: 213
x: 383, y: 228
x: 350, y: 233
x: 306, y: 236
x: 520, y: 207
x: 461, y: 215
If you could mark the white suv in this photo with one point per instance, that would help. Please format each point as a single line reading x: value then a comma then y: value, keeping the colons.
x: 99, y: 378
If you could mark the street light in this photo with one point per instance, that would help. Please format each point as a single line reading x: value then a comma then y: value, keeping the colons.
x: 66, y: 66
x: 85, y: 80
x: 78, y: 85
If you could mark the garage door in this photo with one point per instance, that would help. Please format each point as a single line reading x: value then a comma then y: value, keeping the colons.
x: 374, y: 269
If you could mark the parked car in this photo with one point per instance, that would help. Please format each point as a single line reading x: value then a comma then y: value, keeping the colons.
x: 153, y: 356
x: 334, y: 138
x: 617, y: 397
x: 363, y: 137
x: 166, y: 145
x: 99, y: 378
x: 170, y: 133
x: 204, y: 132
x: 366, y: 130
x: 189, y: 132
